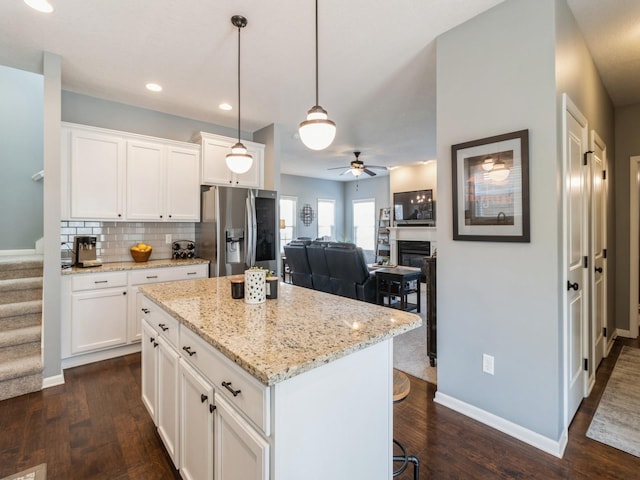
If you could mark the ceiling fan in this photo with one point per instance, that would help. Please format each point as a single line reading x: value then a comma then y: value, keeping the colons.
x: 357, y: 167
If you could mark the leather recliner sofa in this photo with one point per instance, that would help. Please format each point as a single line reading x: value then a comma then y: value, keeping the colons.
x: 332, y: 267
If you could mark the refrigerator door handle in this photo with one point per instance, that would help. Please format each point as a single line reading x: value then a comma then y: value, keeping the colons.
x: 251, y: 230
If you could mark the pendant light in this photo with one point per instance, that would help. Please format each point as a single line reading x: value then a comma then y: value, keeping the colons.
x: 239, y: 161
x: 317, y: 131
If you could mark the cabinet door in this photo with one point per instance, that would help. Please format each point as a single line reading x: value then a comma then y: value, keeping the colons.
x: 150, y: 369
x: 97, y: 176
x: 214, y: 166
x: 183, y: 185
x: 98, y: 319
x: 145, y: 180
x: 196, y: 421
x: 253, y: 177
x: 240, y: 452
x: 168, y: 405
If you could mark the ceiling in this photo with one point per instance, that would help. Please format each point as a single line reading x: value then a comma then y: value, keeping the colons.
x: 376, y: 64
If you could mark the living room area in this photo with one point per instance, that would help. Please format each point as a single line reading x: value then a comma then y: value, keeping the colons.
x: 344, y: 214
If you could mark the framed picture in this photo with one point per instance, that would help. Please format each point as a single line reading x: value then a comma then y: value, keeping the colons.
x: 491, y: 188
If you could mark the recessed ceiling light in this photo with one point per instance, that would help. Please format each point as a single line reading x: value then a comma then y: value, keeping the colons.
x: 40, y: 5
x: 154, y: 87
x: 225, y: 106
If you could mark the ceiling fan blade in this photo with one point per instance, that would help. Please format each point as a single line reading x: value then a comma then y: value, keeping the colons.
x: 338, y: 168
x: 346, y: 171
x: 376, y: 166
x: 369, y: 172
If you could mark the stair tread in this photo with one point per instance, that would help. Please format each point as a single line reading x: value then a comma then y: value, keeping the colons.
x: 20, y: 367
x: 19, y: 336
x: 20, y: 308
x: 26, y: 283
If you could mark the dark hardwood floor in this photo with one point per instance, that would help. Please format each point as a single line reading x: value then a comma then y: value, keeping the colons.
x: 95, y: 427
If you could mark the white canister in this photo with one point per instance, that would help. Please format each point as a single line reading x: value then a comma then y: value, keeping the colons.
x: 255, y: 290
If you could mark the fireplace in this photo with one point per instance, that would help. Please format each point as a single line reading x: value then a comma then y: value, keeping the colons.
x: 412, y: 253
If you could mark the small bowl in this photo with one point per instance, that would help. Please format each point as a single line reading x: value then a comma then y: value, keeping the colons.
x: 140, y: 256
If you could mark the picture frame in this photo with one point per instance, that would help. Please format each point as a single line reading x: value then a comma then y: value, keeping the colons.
x: 490, y: 191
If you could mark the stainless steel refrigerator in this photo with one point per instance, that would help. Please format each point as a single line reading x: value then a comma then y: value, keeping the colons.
x: 238, y: 229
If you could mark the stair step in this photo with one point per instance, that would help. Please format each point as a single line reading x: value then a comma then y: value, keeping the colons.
x: 20, y: 361
x: 21, y: 321
x: 20, y: 290
x: 22, y: 308
x: 20, y: 386
x: 18, y: 336
x: 23, y: 266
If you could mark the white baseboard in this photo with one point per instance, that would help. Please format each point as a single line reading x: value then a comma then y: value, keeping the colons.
x: 101, y: 355
x: 625, y: 333
x: 53, y: 381
x: 554, y: 447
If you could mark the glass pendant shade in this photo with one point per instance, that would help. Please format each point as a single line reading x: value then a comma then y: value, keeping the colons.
x: 356, y: 172
x: 239, y: 161
x: 499, y: 172
x: 317, y: 131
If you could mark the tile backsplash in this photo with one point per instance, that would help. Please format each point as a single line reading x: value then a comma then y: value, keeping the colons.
x: 115, y: 238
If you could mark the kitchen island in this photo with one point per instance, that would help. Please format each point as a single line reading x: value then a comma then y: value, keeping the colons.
x: 298, y: 387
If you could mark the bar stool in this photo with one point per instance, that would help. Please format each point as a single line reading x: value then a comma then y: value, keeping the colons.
x: 401, y: 388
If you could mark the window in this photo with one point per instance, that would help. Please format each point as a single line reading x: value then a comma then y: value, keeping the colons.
x: 326, y: 218
x: 287, y: 220
x: 364, y: 223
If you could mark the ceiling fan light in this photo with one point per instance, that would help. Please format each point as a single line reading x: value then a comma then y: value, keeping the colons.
x: 40, y: 5
x: 317, y: 131
x: 487, y: 165
x: 239, y: 161
x: 356, y: 172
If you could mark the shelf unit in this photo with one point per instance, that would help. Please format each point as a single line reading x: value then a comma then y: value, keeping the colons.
x: 383, y: 248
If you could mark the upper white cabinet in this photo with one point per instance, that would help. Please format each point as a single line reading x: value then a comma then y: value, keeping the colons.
x: 214, y: 167
x: 112, y: 175
x: 97, y: 163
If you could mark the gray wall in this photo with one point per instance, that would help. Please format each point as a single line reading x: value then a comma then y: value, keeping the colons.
x: 21, y: 151
x: 97, y: 112
x: 496, y: 74
x: 627, y: 143
x: 309, y: 190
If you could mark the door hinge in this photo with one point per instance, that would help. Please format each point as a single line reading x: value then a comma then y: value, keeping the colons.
x: 585, y: 261
x: 604, y: 252
x: 604, y: 174
x: 584, y: 156
x: 604, y: 332
x: 586, y: 364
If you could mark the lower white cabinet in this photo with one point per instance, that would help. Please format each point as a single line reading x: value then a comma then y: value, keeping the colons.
x: 149, y: 383
x: 169, y: 398
x: 240, y: 452
x: 101, y: 313
x: 196, y: 420
x: 98, y: 313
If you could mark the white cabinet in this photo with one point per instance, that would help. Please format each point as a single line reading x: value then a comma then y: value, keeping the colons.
x: 214, y: 167
x: 196, y: 422
x: 112, y: 175
x: 162, y: 182
x: 240, y: 452
x: 98, y: 312
x: 96, y: 174
x: 148, y: 276
x: 149, y: 384
x: 168, y: 398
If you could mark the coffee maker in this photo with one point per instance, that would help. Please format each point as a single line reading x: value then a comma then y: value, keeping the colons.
x: 84, y: 252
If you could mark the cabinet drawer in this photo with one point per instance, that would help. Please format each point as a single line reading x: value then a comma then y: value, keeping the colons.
x: 253, y: 397
x: 163, y: 323
x: 98, y: 281
x: 168, y: 274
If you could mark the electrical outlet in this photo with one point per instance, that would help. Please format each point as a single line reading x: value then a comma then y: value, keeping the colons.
x: 167, y: 238
x: 487, y: 363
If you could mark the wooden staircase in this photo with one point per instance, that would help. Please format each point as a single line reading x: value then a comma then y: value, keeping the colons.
x: 20, y: 325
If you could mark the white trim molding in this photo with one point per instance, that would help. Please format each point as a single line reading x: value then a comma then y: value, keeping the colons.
x: 554, y: 447
x: 53, y: 381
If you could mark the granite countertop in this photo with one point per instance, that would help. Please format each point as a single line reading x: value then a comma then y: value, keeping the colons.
x: 301, y: 330
x: 121, y: 266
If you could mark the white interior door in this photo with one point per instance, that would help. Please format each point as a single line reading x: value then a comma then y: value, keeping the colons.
x: 598, y: 246
x: 576, y: 248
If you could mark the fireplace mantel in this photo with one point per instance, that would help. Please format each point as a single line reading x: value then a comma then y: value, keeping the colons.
x: 409, y: 233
